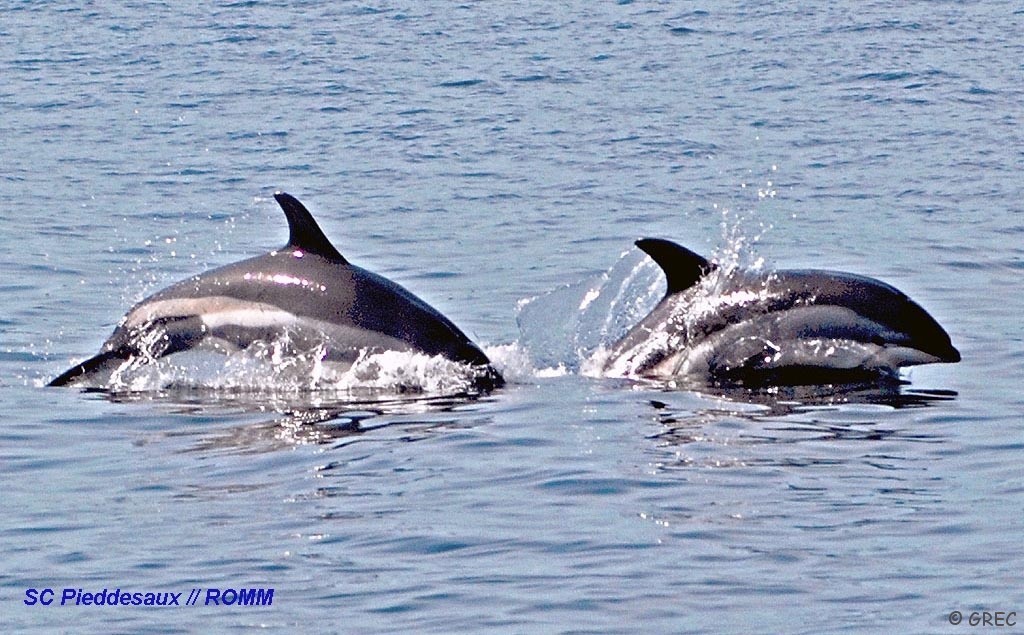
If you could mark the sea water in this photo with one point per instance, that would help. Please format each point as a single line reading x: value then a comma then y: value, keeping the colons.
x: 496, y: 159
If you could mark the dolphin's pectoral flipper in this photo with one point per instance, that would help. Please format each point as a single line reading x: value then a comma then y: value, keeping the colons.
x: 682, y: 267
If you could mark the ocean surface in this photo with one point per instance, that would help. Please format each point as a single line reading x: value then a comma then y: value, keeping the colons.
x: 499, y: 160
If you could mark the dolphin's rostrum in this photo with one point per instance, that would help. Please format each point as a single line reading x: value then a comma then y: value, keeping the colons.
x: 784, y: 327
x: 306, y: 290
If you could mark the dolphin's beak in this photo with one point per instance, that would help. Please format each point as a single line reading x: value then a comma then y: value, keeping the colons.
x: 950, y: 356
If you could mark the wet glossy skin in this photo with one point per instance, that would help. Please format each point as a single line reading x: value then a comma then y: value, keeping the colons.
x: 787, y: 324
x: 307, y: 289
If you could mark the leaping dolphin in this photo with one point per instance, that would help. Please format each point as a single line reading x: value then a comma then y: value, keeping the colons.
x: 786, y: 327
x: 306, y: 291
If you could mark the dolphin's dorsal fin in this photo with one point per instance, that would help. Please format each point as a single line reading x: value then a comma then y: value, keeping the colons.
x: 682, y: 267
x: 304, y: 234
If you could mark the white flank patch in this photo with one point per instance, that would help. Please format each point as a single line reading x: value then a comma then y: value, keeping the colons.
x: 213, y: 310
x: 251, y: 317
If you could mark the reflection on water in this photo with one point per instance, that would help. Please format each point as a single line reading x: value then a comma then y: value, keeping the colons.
x: 785, y: 400
x: 319, y: 418
x: 795, y: 414
x: 776, y: 415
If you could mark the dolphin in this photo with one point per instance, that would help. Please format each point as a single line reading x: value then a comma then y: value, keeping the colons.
x: 306, y: 292
x: 788, y: 327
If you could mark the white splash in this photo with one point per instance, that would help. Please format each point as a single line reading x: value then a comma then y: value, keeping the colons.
x: 275, y: 367
x: 515, y: 364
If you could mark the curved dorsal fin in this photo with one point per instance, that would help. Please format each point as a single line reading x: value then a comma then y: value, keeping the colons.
x: 682, y: 267
x: 303, y: 232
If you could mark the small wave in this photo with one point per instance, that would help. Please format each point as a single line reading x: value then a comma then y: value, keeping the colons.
x: 517, y: 366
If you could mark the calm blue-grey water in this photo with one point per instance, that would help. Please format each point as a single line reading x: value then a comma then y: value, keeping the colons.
x: 483, y: 154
